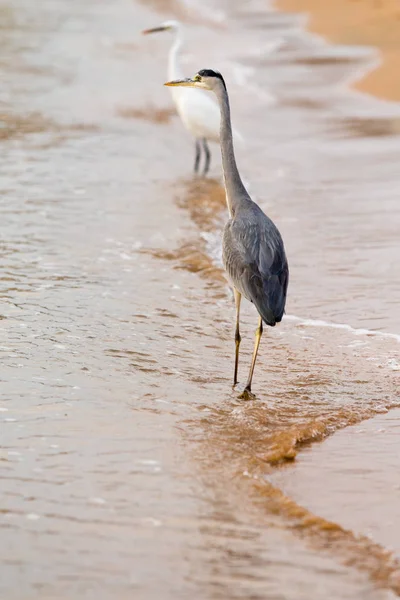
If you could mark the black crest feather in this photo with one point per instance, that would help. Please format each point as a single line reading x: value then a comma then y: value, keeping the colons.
x: 211, y: 73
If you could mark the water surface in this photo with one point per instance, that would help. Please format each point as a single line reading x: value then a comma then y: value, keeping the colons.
x: 129, y: 466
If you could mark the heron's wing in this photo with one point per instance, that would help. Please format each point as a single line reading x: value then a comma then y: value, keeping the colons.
x: 254, y: 257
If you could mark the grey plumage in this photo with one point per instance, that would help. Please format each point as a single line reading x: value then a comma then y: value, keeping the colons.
x: 253, y: 251
x: 254, y: 258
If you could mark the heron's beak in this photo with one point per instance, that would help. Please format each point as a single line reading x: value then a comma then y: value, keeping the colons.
x: 182, y: 83
x: 154, y: 30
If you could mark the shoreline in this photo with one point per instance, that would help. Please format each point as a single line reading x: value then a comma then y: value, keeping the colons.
x: 361, y: 23
x: 123, y: 385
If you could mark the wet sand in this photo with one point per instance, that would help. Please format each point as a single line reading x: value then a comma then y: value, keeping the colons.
x: 370, y: 23
x: 129, y: 467
x: 359, y: 488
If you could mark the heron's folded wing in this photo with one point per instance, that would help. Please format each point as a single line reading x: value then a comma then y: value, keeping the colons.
x: 255, y: 260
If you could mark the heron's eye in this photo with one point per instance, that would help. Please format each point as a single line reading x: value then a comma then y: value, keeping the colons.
x: 197, y: 77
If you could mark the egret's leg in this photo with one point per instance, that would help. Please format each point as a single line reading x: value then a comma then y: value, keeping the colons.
x: 197, y: 157
x: 259, y: 331
x: 238, y: 339
x: 208, y: 156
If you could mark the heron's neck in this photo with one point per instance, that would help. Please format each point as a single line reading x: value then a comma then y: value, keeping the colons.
x: 174, y: 70
x: 234, y: 188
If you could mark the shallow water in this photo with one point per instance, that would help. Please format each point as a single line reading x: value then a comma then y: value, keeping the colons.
x: 360, y: 487
x: 128, y: 464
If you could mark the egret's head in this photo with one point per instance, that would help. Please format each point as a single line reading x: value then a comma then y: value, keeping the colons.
x: 166, y: 26
x: 206, y: 79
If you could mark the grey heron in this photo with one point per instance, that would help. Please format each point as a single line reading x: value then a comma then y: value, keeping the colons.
x: 252, y: 248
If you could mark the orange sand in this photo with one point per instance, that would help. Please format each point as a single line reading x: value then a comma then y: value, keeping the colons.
x: 363, y: 22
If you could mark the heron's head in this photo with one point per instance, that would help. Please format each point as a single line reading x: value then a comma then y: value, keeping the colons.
x: 166, y: 26
x: 206, y: 79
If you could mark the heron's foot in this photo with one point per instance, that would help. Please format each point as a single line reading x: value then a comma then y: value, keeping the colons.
x: 247, y: 395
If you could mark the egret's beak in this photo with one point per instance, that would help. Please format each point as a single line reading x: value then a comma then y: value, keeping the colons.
x: 182, y: 83
x: 154, y: 30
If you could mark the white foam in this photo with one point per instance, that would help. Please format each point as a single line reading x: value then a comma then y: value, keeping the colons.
x: 354, y: 330
x: 97, y: 500
x: 243, y: 76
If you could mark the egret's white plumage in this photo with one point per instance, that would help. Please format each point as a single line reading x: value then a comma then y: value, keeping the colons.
x: 198, y: 111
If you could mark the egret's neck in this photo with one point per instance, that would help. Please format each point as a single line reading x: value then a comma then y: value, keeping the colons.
x: 236, y: 193
x: 174, y: 70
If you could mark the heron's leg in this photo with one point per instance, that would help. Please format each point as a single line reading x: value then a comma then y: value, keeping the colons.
x: 197, y: 157
x: 259, y: 331
x: 208, y: 156
x: 238, y: 339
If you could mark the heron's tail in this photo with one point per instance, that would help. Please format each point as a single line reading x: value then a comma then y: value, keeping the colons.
x: 271, y: 304
x: 267, y: 316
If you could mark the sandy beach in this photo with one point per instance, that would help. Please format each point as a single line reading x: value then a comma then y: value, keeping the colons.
x: 130, y: 468
x: 364, y: 23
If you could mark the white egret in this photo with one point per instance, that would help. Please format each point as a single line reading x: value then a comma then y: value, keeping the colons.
x: 197, y: 109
